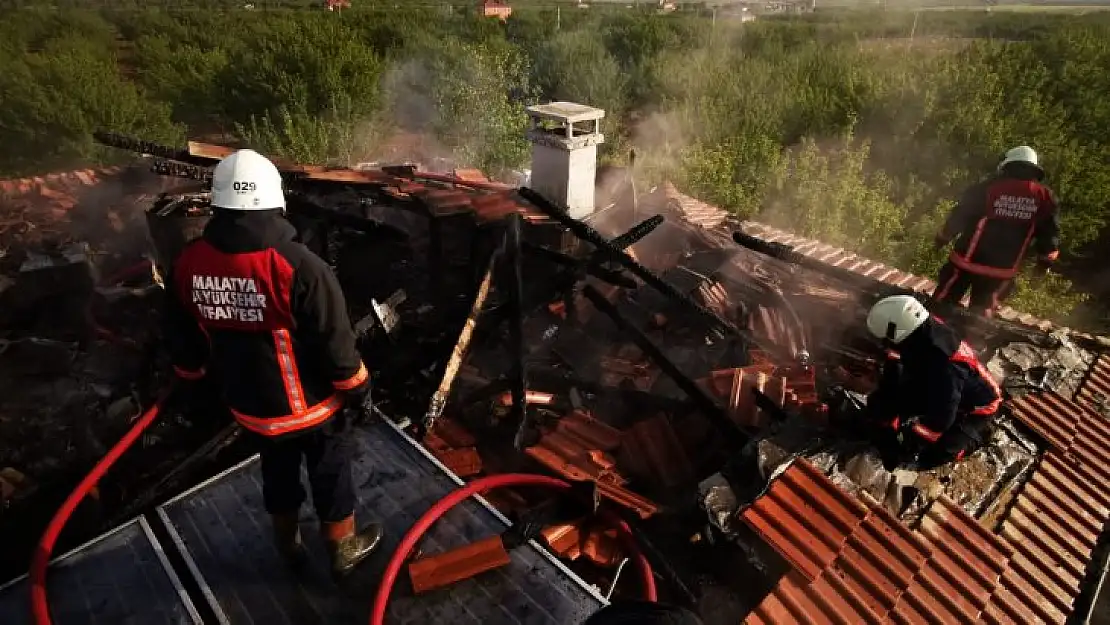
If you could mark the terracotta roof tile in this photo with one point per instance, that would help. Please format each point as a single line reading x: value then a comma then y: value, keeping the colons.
x: 594, y: 433
x: 870, y: 568
x: 579, y: 460
x: 1094, y: 393
x: 466, y: 191
x: 1079, y: 434
x: 806, y: 518
x: 965, y: 554
x: 1051, y: 416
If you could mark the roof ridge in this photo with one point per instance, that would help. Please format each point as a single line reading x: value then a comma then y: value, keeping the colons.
x: 711, y: 217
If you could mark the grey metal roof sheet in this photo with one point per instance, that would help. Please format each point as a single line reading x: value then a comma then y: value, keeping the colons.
x: 226, y: 532
x: 120, y: 578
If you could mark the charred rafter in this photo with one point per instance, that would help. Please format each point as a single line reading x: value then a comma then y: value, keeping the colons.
x: 580, y: 229
x: 705, y: 403
x: 148, y: 148
x: 518, y: 375
x: 462, y: 346
x: 304, y: 203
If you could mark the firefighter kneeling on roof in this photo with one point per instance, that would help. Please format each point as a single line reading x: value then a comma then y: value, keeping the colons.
x: 993, y: 225
x: 936, y: 401
x: 265, y: 319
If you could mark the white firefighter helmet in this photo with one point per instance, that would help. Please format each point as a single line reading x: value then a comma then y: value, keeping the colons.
x: 896, y: 317
x: 247, y: 181
x: 1020, y: 154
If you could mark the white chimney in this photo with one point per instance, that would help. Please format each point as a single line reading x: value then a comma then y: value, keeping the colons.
x: 564, y: 138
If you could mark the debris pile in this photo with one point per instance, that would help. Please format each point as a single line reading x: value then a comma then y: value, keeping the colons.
x: 671, y: 370
x: 78, y: 343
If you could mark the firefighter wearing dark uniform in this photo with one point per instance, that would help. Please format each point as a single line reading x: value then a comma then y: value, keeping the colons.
x: 265, y: 318
x: 935, y: 397
x: 993, y: 225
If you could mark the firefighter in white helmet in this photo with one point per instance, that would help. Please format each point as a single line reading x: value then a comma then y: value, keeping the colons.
x: 935, y: 400
x: 993, y: 226
x: 265, y: 319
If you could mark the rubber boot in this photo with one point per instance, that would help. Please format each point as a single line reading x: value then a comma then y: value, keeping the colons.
x: 347, y: 548
x: 287, y: 539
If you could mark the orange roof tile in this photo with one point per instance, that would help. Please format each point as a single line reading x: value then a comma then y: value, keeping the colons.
x: 855, y: 563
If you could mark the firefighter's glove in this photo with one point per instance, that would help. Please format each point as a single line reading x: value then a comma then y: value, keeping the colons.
x: 901, y: 446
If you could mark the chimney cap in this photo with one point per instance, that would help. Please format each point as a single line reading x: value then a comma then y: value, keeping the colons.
x: 566, y: 112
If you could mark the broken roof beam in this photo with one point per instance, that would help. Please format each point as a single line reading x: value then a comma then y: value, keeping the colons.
x: 580, y: 229
x: 148, y: 148
x: 704, y: 402
x: 300, y: 203
x: 518, y: 375
x: 462, y: 346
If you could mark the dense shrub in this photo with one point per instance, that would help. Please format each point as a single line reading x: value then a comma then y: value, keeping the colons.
x: 854, y: 127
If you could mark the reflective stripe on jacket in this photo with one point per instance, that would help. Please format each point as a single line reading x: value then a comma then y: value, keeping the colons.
x: 267, y: 318
x: 941, y: 379
x: 996, y: 221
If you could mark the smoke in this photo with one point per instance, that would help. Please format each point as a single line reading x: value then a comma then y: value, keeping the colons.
x: 412, y: 114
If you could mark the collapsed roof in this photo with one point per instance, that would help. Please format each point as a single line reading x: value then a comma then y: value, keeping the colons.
x: 636, y: 388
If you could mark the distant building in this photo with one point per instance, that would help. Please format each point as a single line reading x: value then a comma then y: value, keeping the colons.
x: 496, y: 8
x: 337, y: 5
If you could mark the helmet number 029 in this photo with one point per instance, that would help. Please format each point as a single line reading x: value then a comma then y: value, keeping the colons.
x: 244, y: 187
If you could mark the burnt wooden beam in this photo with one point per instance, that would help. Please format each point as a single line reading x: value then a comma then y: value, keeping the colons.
x: 513, y: 280
x: 462, y: 346
x: 704, y: 402
x: 718, y: 325
x: 581, y: 268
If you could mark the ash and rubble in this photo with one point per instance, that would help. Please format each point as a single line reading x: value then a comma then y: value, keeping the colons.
x: 78, y: 352
x: 680, y: 404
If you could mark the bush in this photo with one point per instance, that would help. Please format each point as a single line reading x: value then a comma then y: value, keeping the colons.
x: 856, y: 127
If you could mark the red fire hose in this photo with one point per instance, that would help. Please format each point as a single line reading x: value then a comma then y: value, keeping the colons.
x: 40, y: 608
x: 408, y: 543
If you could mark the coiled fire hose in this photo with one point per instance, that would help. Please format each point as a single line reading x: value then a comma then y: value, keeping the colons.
x: 40, y: 607
x: 458, y: 496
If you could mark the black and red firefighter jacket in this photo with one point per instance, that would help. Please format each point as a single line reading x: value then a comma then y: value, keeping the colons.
x: 995, y: 222
x: 266, y: 318
x: 938, y: 378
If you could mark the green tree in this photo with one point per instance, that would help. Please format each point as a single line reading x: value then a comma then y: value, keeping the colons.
x: 469, y: 96
x: 52, y: 102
